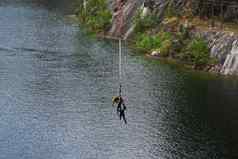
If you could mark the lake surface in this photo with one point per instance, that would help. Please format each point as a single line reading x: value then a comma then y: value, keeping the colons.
x: 56, y: 85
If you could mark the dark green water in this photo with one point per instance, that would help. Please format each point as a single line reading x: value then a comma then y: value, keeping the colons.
x: 55, y: 97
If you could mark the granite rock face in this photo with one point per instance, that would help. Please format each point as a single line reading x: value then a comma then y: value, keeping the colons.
x: 129, y: 11
x: 230, y: 66
x: 223, y: 45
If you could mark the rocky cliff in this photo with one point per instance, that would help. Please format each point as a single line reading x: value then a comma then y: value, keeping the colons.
x: 129, y: 10
x: 223, y: 45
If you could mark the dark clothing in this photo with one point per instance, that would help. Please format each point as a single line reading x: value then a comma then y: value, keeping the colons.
x: 122, y: 115
x: 121, y: 107
x: 120, y: 104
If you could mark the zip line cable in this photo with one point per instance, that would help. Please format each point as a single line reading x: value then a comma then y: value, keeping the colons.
x: 115, y: 65
x: 125, y: 65
x: 120, y: 61
x: 120, y: 66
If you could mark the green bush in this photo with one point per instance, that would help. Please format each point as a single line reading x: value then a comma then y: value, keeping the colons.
x: 165, y: 48
x: 104, y: 20
x: 144, y: 23
x: 197, y: 52
x: 97, y: 17
x: 165, y: 36
x: 161, y: 42
x: 145, y: 42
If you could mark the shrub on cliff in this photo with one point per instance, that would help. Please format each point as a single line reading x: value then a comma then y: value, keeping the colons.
x: 146, y: 42
x: 144, y: 23
x: 166, y: 48
x: 196, y: 52
x: 97, y: 17
x: 161, y: 42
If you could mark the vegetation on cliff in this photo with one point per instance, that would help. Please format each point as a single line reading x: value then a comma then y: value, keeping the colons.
x: 171, y: 38
x: 96, y: 17
x: 160, y: 42
x: 196, y: 52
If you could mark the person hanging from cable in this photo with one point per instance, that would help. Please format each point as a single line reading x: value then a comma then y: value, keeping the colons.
x: 121, y: 107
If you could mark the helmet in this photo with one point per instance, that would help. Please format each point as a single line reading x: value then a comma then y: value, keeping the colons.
x: 115, y: 99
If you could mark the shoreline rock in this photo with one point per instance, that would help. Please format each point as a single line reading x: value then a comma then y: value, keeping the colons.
x: 224, y: 47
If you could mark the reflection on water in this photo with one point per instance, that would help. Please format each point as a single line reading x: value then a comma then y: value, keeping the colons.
x: 55, y: 98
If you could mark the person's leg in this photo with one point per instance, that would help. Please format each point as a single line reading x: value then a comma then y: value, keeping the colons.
x: 120, y: 115
x: 124, y: 117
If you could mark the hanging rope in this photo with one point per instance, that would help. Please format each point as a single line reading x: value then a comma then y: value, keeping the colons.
x: 125, y: 65
x: 120, y: 67
x: 119, y: 33
x: 120, y: 61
